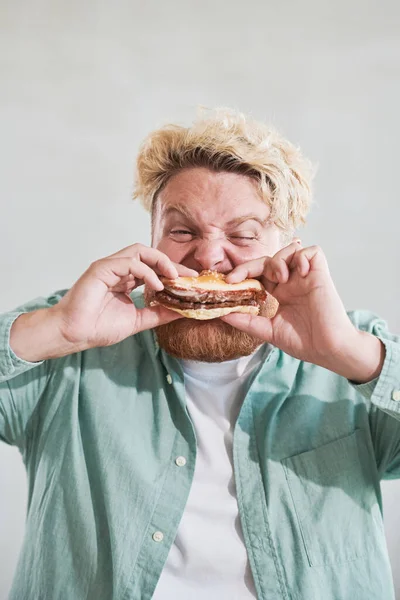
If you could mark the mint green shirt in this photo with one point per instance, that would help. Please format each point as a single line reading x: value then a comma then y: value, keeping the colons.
x: 100, y: 431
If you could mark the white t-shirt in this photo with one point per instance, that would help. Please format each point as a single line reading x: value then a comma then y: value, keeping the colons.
x: 208, y: 559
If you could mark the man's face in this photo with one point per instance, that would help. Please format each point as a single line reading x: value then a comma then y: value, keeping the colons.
x: 207, y: 220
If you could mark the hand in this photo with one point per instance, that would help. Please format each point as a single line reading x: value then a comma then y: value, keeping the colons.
x: 311, y: 323
x: 97, y: 310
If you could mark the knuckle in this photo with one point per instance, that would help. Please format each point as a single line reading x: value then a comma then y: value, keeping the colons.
x: 96, y: 264
x: 138, y: 249
x: 265, y: 261
x: 164, y: 257
x: 274, y: 262
x: 136, y: 265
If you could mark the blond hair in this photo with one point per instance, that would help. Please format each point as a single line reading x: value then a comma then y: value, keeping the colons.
x: 227, y: 140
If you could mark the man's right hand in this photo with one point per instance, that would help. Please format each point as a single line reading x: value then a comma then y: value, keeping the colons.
x: 97, y: 310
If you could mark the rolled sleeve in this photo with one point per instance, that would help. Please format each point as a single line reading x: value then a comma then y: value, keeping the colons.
x: 10, y: 364
x: 366, y: 389
x: 386, y: 393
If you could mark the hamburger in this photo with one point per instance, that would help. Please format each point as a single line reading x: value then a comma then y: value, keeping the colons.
x: 208, y: 296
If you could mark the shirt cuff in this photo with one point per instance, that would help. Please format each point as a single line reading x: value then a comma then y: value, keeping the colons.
x: 366, y: 389
x: 10, y: 364
x: 384, y: 392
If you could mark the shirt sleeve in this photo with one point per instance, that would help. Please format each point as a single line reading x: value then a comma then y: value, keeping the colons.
x: 21, y: 382
x: 383, y: 396
x: 10, y: 364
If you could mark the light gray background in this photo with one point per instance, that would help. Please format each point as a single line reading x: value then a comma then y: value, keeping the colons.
x: 82, y: 83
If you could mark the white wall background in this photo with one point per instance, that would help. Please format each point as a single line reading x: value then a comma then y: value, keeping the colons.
x: 81, y: 83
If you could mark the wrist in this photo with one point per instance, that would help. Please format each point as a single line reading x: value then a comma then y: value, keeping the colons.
x: 37, y: 336
x: 360, y: 359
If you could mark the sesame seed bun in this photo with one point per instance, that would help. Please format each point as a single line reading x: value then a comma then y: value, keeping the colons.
x: 211, y: 280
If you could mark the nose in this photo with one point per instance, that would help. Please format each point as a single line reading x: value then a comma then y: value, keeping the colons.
x: 209, y: 254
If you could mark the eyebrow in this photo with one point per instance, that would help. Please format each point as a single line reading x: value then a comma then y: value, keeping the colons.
x: 249, y: 217
x: 179, y: 208
x: 182, y: 210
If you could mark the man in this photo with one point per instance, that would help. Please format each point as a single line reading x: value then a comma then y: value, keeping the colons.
x: 253, y: 472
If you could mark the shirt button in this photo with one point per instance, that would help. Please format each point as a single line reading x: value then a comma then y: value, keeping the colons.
x: 158, y: 536
x: 169, y: 378
x: 396, y: 395
x: 180, y: 461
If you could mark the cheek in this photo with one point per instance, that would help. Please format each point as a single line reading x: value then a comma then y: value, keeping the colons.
x: 273, y: 247
x: 240, y: 255
x: 174, y: 251
x: 271, y: 244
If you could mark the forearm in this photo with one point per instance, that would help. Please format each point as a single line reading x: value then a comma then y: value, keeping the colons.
x: 360, y: 359
x: 36, y: 336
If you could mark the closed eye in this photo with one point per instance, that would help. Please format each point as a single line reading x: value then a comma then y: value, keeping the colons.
x: 181, y: 234
x: 242, y: 240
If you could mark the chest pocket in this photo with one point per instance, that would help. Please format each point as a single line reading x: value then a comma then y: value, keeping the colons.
x: 335, y: 500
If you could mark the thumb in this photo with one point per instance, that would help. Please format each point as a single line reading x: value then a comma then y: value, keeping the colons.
x: 148, y: 318
x: 259, y: 327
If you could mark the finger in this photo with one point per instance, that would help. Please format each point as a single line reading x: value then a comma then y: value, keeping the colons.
x: 246, y: 270
x: 129, y: 251
x: 278, y: 266
x: 274, y: 268
x: 184, y: 271
x: 128, y: 284
x: 258, y: 268
x: 144, y: 274
x: 258, y: 327
x: 112, y: 270
x: 152, y: 257
x: 300, y: 263
x: 308, y: 259
x: 148, y: 318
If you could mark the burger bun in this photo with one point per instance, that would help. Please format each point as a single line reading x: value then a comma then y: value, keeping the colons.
x: 204, y: 314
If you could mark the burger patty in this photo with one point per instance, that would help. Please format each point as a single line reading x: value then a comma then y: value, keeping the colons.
x: 215, y: 296
x: 165, y: 298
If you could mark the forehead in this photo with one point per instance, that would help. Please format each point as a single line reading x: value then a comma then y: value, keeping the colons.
x: 210, y: 196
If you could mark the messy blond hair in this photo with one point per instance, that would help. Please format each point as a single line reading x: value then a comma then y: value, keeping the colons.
x: 227, y: 140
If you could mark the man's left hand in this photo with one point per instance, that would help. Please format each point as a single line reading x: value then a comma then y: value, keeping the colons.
x: 311, y: 323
